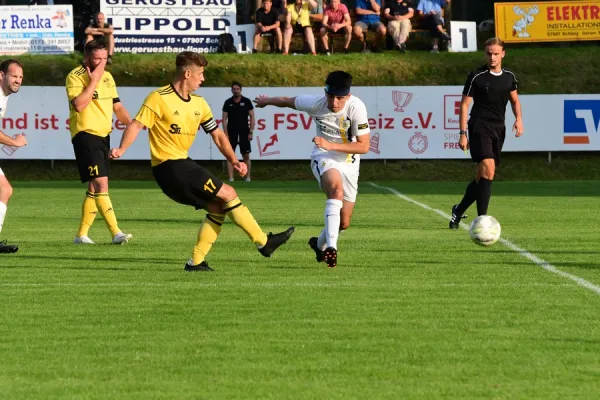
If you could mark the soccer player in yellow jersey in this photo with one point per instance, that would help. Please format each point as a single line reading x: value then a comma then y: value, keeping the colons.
x: 173, y: 115
x: 93, y: 98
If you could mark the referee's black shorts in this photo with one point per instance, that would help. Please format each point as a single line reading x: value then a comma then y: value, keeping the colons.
x: 187, y: 182
x: 236, y: 138
x: 486, y: 138
x: 91, y: 154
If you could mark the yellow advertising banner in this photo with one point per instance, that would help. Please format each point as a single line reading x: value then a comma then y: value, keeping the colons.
x: 551, y: 21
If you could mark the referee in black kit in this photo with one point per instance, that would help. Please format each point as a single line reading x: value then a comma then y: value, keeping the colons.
x: 490, y: 88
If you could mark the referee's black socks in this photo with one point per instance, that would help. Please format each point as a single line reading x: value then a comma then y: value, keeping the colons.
x: 469, y: 198
x: 483, y: 196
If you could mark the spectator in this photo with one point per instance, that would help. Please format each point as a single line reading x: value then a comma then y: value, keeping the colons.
x: 368, y: 20
x: 432, y: 13
x: 298, y: 21
x: 102, y: 30
x: 399, y: 13
x: 336, y: 19
x: 267, y: 22
x: 238, y: 124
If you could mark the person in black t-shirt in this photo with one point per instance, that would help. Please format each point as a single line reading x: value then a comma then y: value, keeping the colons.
x: 236, y: 112
x: 267, y: 22
x: 490, y: 88
x: 398, y: 13
x: 102, y: 30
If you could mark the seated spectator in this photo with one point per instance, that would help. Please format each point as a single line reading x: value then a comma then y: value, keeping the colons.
x: 102, y: 30
x: 336, y: 19
x: 267, y: 22
x: 431, y: 11
x: 367, y: 12
x: 298, y: 21
x: 398, y: 13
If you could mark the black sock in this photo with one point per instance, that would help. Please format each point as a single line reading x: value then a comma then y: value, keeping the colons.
x: 483, y: 196
x: 469, y: 198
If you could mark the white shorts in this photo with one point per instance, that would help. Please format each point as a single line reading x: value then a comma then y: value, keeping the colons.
x: 349, y: 173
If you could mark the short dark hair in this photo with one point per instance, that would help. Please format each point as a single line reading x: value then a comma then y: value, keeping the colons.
x: 5, y: 65
x: 187, y: 58
x: 236, y: 83
x: 338, y: 83
x: 494, y: 41
x: 94, y: 45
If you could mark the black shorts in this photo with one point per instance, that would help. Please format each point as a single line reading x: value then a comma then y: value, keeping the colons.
x: 486, y: 138
x: 242, y: 140
x: 187, y: 182
x: 91, y: 154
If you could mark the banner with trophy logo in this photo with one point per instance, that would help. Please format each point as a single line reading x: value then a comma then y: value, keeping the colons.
x: 548, y: 21
x: 406, y: 123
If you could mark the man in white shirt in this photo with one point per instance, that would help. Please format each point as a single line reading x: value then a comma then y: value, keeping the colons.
x: 11, y: 77
x: 342, y: 135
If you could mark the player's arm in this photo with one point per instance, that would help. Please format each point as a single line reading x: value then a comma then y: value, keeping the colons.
x: 517, y: 111
x: 361, y: 146
x: 263, y: 101
x: 85, y: 97
x: 313, y: 4
x: 106, y: 31
x: 224, y: 122
x: 386, y: 14
x: 376, y: 7
x: 18, y: 141
x: 325, y: 22
x: 121, y: 112
x: 252, y: 120
x: 129, y: 136
x: 222, y: 142
x: 465, y: 103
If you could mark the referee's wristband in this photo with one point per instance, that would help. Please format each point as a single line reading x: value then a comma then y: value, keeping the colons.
x: 463, y: 132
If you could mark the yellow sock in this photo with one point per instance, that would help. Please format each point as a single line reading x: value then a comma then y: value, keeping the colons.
x: 88, y: 214
x: 106, y: 210
x: 207, y: 234
x: 242, y: 217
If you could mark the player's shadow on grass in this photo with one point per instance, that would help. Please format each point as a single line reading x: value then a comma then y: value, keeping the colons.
x: 96, y: 262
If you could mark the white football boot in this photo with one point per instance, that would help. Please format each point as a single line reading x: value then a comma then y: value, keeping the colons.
x: 122, y: 238
x: 83, y: 240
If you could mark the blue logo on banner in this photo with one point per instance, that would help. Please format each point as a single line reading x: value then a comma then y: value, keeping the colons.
x: 581, y: 119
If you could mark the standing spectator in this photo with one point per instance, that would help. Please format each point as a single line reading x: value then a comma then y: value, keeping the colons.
x: 368, y: 20
x: 336, y: 19
x: 236, y: 112
x: 432, y: 13
x: 298, y: 21
x: 102, y: 30
x: 399, y: 13
x: 267, y: 22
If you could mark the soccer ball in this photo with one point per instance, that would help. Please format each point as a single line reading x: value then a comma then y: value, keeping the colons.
x: 485, y: 230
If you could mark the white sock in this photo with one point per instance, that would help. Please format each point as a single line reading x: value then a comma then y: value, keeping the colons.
x: 322, y: 240
x: 332, y: 221
x: 2, y: 214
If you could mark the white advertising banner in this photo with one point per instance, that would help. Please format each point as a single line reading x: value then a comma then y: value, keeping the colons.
x: 169, y: 26
x: 36, y: 30
x: 406, y: 123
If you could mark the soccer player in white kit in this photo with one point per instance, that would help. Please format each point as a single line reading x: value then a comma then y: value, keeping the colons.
x: 11, y: 77
x: 342, y: 135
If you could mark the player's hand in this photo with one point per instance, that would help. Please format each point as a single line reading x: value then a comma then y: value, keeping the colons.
x: 97, y: 73
x: 250, y: 136
x: 261, y: 101
x: 116, y: 153
x: 518, y: 128
x: 321, y: 143
x: 463, y: 142
x: 241, y: 168
x: 20, y: 140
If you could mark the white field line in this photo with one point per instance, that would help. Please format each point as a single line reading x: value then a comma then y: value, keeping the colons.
x: 531, y: 257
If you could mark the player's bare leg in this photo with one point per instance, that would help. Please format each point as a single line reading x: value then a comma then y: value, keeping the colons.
x: 6, y: 191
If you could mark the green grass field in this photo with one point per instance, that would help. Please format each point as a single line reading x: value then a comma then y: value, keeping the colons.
x: 413, y: 310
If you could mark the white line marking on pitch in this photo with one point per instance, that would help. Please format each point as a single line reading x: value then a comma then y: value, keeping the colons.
x: 533, y: 258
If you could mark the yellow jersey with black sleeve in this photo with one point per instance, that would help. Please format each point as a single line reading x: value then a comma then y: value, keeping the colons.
x: 96, y: 118
x: 173, y: 122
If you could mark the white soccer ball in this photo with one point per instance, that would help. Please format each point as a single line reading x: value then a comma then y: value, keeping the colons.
x: 485, y: 230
